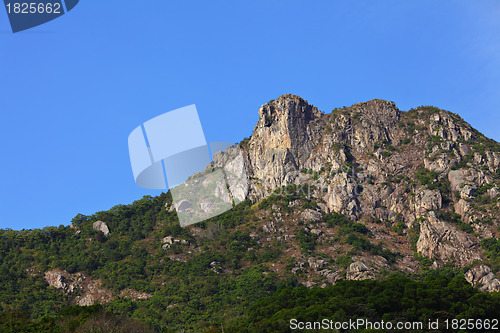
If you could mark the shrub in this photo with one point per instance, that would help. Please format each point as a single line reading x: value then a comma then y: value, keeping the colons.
x: 411, y: 128
x: 338, y: 219
x: 483, y: 189
x: 307, y: 241
x: 343, y: 261
x: 456, y: 219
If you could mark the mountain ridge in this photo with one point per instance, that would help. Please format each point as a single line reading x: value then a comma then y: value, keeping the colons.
x: 372, y: 146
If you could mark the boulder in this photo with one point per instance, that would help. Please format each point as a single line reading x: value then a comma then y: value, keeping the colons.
x: 481, y: 276
x: 101, y: 226
x: 359, y: 271
x: 311, y: 215
x: 428, y: 200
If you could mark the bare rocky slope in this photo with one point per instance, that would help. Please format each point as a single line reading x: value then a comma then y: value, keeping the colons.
x: 423, y: 182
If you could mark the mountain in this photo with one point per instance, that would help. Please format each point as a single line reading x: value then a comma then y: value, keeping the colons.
x: 366, y: 197
x: 422, y: 181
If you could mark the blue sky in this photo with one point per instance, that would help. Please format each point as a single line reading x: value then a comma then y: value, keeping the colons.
x: 73, y: 89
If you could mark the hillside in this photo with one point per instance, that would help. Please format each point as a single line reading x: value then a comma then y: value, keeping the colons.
x: 334, y: 200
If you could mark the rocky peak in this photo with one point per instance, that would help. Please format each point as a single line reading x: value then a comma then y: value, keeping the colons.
x: 284, y: 136
x: 287, y: 108
x: 378, y: 112
x: 284, y: 123
x: 424, y: 173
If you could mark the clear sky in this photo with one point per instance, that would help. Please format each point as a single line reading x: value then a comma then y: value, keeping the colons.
x: 73, y: 89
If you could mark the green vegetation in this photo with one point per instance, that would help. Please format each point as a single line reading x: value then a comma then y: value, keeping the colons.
x: 395, y: 299
x: 414, y: 234
x: 481, y: 144
x: 425, y: 263
x: 244, y: 142
x: 431, y: 180
x: 343, y: 261
x: 307, y: 241
x: 346, y: 224
x: 483, y: 189
x: 397, y: 179
x: 131, y: 257
x: 347, y: 151
x: 361, y: 244
x: 492, y: 247
x: 434, y: 139
x: 307, y: 171
x: 429, y: 109
x: 315, y: 175
x: 455, y: 219
x: 386, y: 154
x: 283, y: 196
x: 355, y: 235
x: 190, y: 293
x: 426, y: 177
x: 410, y: 128
x: 384, y: 144
x: 71, y: 319
x: 398, y: 228
x: 435, y: 295
x: 463, y: 162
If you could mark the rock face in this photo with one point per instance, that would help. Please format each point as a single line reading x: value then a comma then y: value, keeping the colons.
x: 59, y: 280
x: 359, y: 271
x: 423, y: 182
x: 169, y: 241
x: 283, y: 139
x: 482, y: 277
x: 101, y: 226
x: 133, y: 294
x: 311, y: 215
x: 94, y: 294
x: 425, y: 170
x: 428, y: 200
x: 442, y: 241
x: 183, y: 205
x: 92, y: 290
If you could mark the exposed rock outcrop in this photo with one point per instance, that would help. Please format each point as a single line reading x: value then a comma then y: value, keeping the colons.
x: 133, y: 294
x: 92, y: 291
x: 444, y: 242
x: 482, y: 277
x: 427, y: 200
x: 425, y: 169
x: 101, y: 226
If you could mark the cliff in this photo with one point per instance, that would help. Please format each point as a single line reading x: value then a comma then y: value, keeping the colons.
x: 424, y: 172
